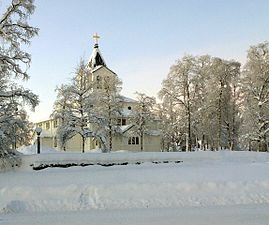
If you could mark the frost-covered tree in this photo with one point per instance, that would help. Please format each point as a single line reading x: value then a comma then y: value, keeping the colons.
x: 14, y: 121
x: 171, y: 125
x: 200, y: 106
x: 200, y: 95
x: 256, y: 95
x: 143, y: 116
x: 73, y: 107
x: 222, y: 76
x: 61, y: 111
x: 180, y: 86
x: 14, y: 62
x: 107, y: 109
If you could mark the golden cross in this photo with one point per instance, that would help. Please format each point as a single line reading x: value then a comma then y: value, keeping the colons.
x: 96, y: 37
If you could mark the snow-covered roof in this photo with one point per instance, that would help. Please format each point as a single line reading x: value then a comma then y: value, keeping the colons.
x: 125, y: 128
x: 101, y: 66
x: 96, y: 58
x: 154, y: 132
x: 127, y: 99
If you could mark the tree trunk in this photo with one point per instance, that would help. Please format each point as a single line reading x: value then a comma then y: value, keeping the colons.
x: 110, y: 138
x: 203, y: 143
x: 189, y: 142
x: 219, y: 145
x: 110, y: 129
x: 189, y: 131
x: 141, y: 142
x: 83, y: 144
x: 229, y: 135
x: 261, y: 127
x: 233, y: 141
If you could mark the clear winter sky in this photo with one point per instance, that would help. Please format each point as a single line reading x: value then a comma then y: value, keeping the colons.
x: 140, y: 39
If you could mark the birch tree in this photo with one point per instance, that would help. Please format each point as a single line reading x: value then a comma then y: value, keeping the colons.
x: 143, y: 116
x: 222, y: 72
x: 106, y: 110
x: 73, y: 107
x: 181, y: 86
x: 171, y: 125
x: 203, y: 92
x: 256, y: 93
x: 15, y: 32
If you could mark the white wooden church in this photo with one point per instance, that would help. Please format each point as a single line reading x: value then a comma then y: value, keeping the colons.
x: 126, y: 140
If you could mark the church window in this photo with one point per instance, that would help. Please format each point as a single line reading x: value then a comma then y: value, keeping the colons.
x: 98, y: 78
x: 55, y: 123
x: 121, y: 122
x: 133, y: 141
x: 47, y: 125
x: 129, y: 107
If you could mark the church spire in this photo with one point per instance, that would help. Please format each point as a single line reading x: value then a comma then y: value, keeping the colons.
x: 96, y: 58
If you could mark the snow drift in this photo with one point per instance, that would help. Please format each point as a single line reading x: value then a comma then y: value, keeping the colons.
x: 204, y: 180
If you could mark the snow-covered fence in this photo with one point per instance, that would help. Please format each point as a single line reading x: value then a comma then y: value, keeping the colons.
x: 38, y: 162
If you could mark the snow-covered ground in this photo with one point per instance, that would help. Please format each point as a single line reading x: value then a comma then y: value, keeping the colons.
x: 206, y: 188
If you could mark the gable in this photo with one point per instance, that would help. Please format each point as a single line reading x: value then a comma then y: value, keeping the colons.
x: 103, y: 71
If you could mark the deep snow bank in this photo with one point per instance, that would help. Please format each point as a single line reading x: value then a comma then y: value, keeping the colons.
x: 203, y: 179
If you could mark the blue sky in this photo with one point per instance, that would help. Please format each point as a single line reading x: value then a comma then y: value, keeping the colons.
x: 140, y: 39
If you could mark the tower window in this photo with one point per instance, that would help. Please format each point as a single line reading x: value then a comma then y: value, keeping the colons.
x: 121, y: 122
x: 133, y: 141
x: 129, y: 107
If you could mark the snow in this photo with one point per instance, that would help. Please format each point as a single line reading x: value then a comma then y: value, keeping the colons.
x: 32, y: 149
x: 126, y: 112
x: 127, y: 99
x: 206, y: 188
x: 124, y: 128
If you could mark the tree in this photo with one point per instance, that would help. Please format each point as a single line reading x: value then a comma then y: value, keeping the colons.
x: 143, y: 116
x: 256, y: 93
x: 223, y: 76
x: 171, y: 126
x: 200, y: 98
x: 180, y: 87
x: 106, y: 110
x: 14, y: 62
x: 61, y: 110
x: 73, y: 107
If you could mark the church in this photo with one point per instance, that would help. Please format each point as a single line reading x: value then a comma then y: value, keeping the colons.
x: 126, y: 139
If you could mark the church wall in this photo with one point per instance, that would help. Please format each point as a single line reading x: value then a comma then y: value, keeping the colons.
x: 46, y: 142
x: 74, y: 144
x: 152, y: 143
x: 121, y: 143
x: 102, y: 72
